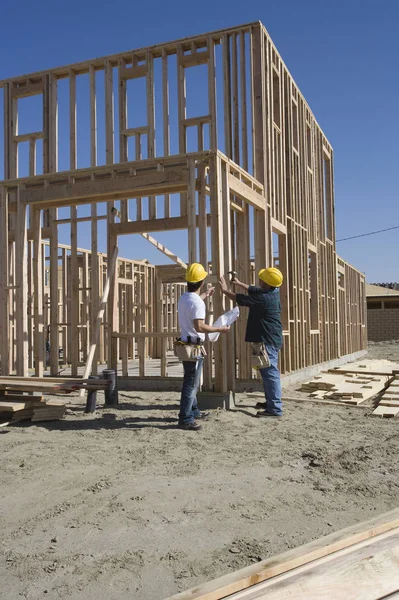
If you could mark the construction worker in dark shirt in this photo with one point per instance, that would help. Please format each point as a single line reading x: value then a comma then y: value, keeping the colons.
x: 264, y: 326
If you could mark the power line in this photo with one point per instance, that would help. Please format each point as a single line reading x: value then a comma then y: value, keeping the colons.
x: 370, y: 233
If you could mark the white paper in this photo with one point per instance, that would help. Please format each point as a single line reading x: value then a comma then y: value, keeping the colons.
x: 224, y: 321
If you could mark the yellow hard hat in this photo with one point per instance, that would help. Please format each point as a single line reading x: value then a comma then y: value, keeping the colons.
x: 195, y: 273
x: 271, y: 276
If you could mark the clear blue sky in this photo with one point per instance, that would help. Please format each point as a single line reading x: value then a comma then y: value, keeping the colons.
x: 342, y: 54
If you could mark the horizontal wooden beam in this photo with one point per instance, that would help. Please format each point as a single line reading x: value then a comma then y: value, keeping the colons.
x: 151, y: 225
x: 195, y: 121
x: 194, y: 59
x: 144, y: 334
x: 245, y: 193
x: 132, y: 131
x: 129, y: 167
x: 133, y: 72
x: 26, y: 137
x: 141, y: 53
x: 171, y: 180
x: 278, y: 227
x: 25, y: 91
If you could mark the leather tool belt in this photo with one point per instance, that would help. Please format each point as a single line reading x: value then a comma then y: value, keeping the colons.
x: 259, y: 356
x: 188, y: 351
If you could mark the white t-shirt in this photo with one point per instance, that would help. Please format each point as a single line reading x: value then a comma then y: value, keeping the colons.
x: 190, y: 307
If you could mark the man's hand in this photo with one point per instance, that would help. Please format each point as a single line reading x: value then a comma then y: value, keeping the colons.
x: 223, y: 284
x: 210, y: 292
x: 224, y: 329
x: 235, y: 282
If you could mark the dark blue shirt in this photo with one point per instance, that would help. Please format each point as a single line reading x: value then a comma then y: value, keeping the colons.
x: 264, y: 322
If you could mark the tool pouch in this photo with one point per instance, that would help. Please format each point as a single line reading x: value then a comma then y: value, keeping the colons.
x: 188, y: 352
x: 259, y: 356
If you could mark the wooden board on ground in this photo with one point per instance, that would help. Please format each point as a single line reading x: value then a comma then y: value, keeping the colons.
x: 381, y: 534
x: 321, y: 400
x: 11, y: 406
x: 368, y: 571
x: 388, y: 402
x: 349, y: 388
x: 386, y: 411
x: 371, y: 367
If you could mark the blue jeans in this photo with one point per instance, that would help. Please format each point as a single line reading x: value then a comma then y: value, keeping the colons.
x: 272, y: 383
x: 188, y: 402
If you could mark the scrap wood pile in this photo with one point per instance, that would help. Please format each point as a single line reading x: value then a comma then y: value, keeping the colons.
x: 357, y: 382
x: 18, y: 402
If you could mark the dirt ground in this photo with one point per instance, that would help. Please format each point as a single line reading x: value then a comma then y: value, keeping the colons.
x: 123, y: 505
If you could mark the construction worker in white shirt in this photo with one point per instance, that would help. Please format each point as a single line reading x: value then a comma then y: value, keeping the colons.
x: 191, y: 314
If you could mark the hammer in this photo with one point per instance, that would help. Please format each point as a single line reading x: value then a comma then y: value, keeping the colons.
x: 233, y: 275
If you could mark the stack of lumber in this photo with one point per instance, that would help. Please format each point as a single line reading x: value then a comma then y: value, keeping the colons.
x: 49, y: 385
x: 17, y: 402
x: 349, y: 388
x: 323, y: 382
x: 34, y: 409
x: 389, y: 402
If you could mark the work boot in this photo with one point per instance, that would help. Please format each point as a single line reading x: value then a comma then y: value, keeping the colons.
x: 193, y: 426
x: 261, y: 405
x: 267, y: 414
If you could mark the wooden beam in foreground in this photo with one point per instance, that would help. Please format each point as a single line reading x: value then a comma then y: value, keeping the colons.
x: 325, y: 546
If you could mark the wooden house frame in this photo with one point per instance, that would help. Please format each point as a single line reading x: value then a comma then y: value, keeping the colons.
x: 253, y: 174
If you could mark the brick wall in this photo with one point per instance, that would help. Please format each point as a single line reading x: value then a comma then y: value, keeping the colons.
x: 383, y: 324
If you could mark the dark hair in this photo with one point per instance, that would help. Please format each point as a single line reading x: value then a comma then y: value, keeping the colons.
x: 193, y: 287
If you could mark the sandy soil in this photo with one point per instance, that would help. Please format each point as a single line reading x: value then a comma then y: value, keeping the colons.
x: 121, y: 504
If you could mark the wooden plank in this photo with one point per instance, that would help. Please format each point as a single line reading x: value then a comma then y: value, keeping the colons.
x: 218, y: 265
x: 11, y: 406
x: 133, y: 72
x: 123, y: 157
x: 112, y: 312
x: 103, y: 303
x: 385, y: 411
x: 368, y: 571
x: 21, y: 281
x: 4, y: 283
x: 243, y: 92
x: 164, y: 250
x: 235, y: 103
x: 32, y: 89
x: 212, y: 95
x: 109, y: 112
x: 194, y: 59
x: 27, y: 137
x: 245, y: 193
x: 241, y: 580
x: 150, y: 93
x: 171, y: 180
x: 165, y: 121
x: 94, y: 262
x: 153, y: 225
x: 38, y: 293
x: 388, y: 401
x: 191, y: 212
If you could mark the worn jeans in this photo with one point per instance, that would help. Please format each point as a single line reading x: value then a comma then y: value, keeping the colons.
x: 272, y: 383
x: 188, y: 402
